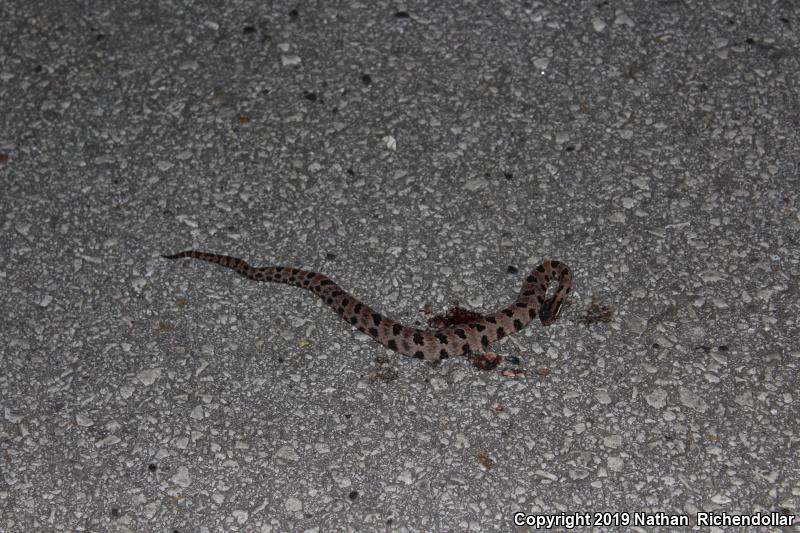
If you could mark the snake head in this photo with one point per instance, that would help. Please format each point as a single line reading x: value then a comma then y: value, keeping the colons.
x: 551, y: 309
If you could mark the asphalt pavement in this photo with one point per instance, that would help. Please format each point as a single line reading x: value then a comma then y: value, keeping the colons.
x: 423, y: 155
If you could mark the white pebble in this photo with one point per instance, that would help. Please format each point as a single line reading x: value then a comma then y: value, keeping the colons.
x: 182, y: 477
x: 240, y: 516
x: 691, y: 399
x: 83, y: 420
x: 657, y: 398
x: 149, y: 376
x: 293, y: 505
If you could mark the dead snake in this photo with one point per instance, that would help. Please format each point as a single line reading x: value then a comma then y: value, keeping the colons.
x: 431, y: 345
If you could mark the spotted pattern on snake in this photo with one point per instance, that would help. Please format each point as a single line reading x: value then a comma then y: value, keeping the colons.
x: 431, y: 345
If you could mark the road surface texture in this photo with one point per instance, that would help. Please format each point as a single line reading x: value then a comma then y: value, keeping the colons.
x: 422, y: 155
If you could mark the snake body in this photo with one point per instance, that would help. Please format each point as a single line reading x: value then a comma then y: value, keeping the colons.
x: 432, y: 345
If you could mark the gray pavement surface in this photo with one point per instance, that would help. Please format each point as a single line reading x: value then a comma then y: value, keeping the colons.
x: 414, y: 152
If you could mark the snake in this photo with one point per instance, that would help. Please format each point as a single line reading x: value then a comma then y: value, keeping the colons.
x: 465, y: 339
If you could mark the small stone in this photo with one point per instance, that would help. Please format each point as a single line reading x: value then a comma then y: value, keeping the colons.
x: 83, y: 420
x: 657, y: 399
x: 287, y: 453
x: 745, y: 399
x: 720, y: 499
x: 293, y: 505
x: 149, y: 376
x: 405, y: 477
x: 710, y: 276
x: 391, y: 142
x: 476, y: 184
x: 603, y: 397
x: 719, y: 42
x: 618, y: 217
x: 290, y: 60
x: 575, y: 474
x: 182, y: 477
x: 541, y: 63
x: 150, y: 510
x: 691, y: 399
x: 476, y: 301
x: 624, y: 20
x: 240, y: 516
x: 341, y: 480
x: 11, y: 417
x: 615, y: 463
x: 612, y: 441
x: 108, y: 441
x: 23, y: 228
x: 545, y: 474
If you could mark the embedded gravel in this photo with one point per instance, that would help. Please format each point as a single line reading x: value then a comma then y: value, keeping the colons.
x: 421, y: 154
